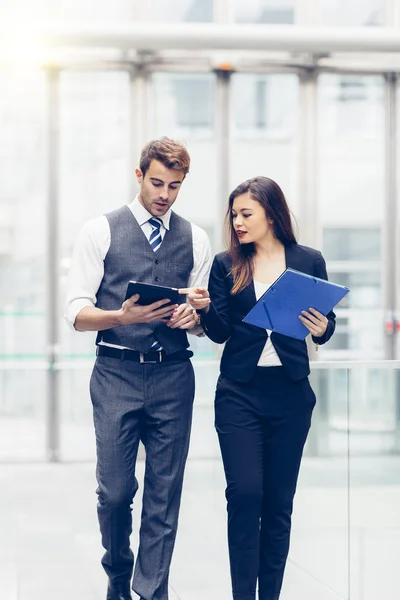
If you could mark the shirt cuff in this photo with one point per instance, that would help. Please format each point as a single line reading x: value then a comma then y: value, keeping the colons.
x: 197, y: 330
x: 73, y: 311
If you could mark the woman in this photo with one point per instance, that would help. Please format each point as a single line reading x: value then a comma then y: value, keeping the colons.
x: 264, y: 401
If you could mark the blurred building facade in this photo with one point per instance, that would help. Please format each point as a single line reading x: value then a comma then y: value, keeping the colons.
x: 73, y: 120
x: 318, y: 110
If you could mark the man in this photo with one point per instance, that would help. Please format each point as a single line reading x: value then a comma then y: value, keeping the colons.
x: 142, y: 385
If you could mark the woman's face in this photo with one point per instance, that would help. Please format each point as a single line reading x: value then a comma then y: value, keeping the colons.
x: 250, y: 221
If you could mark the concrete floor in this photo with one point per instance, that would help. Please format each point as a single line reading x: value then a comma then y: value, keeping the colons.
x: 50, y: 544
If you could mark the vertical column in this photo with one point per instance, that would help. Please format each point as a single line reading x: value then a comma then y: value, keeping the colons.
x: 143, y: 10
x: 308, y: 161
x: 52, y: 312
x: 224, y: 11
x: 309, y: 226
x: 222, y: 116
x: 392, y: 13
x: 308, y: 12
x: 139, y: 118
x: 390, y: 245
x: 140, y: 97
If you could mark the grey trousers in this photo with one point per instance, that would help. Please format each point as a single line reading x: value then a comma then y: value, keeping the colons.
x: 152, y: 403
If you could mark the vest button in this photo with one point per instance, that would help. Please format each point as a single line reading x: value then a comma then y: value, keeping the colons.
x: 156, y: 279
x: 157, y: 261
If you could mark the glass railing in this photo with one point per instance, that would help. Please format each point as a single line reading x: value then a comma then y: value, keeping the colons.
x: 346, y: 524
x: 346, y: 521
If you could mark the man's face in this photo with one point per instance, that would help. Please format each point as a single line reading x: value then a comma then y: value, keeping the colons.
x: 159, y: 187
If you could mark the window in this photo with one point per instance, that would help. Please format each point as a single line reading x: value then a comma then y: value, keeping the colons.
x: 265, y: 11
x: 184, y: 104
x: 183, y: 108
x: 352, y: 244
x: 191, y: 110
x: 183, y: 10
x: 264, y: 104
x: 264, y: 134
x: 358, y: 12
x: 365, y: 288
x: 72, y: 11
x: 353, y: 258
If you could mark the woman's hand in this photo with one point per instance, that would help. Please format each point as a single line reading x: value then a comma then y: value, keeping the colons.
x: 315, y: 322
x: 199, y: 298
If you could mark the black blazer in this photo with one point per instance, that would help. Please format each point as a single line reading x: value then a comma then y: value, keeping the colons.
x: 223, y: 322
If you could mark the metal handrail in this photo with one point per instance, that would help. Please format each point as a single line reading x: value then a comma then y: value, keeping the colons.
x: 143, y: 36
x: 43, y: 365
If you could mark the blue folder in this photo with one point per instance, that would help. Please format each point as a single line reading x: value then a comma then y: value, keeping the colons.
x: 278, y: 309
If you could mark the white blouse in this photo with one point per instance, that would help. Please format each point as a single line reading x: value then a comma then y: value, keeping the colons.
x: 268, y: 357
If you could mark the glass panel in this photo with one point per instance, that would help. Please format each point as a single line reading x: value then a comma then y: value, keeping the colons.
x: 94, y: 165
x: 204, y: 440
x: 358, y: 12
x: 184, y: 109
x: 183, y: 10
x: 319, y: 542
x: 183, y: 106
x: 365, y: 289
x: 352, y: 188
x: 94, y: 157
x: 374, y: 482
x: 397, y: 170
x: 22, y: 412
x: 77, y: 431
x: 265, y: 11
x: 265, y: 113
x: 352, y: 244
x: 22, y: 214
x: 23, y: 189
x: 64, y: 11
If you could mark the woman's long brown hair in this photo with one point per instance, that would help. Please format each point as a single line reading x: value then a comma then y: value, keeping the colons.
x: 266, y: 192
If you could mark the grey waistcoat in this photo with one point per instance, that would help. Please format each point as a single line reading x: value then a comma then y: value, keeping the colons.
x: 130, y: 257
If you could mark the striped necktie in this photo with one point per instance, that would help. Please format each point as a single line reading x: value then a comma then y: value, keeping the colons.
x: 155, y: 241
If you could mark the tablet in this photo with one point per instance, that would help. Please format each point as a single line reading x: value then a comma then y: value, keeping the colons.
x: 151, y: 292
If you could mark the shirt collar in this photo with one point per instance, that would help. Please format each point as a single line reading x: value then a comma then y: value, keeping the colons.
x: 142, y: 215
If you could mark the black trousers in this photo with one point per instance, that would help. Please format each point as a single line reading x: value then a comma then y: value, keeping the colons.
x: 262, y: 427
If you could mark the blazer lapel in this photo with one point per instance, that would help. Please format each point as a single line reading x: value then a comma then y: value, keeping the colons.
x: 293, y: 260
x: 248, y: 295
x: 247, y: 301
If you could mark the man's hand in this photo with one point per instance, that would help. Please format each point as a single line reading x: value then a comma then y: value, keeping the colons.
x: 182, y: 318
x: 130, y: 312
x: 91, y: 318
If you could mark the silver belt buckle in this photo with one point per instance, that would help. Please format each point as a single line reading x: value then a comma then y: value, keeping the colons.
x: 150, y: 362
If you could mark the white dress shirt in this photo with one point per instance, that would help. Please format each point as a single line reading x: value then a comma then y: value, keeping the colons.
x: 92, y: 245
x: 268, y: 357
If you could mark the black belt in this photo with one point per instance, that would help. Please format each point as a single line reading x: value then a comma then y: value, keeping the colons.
x: 140, y: 357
